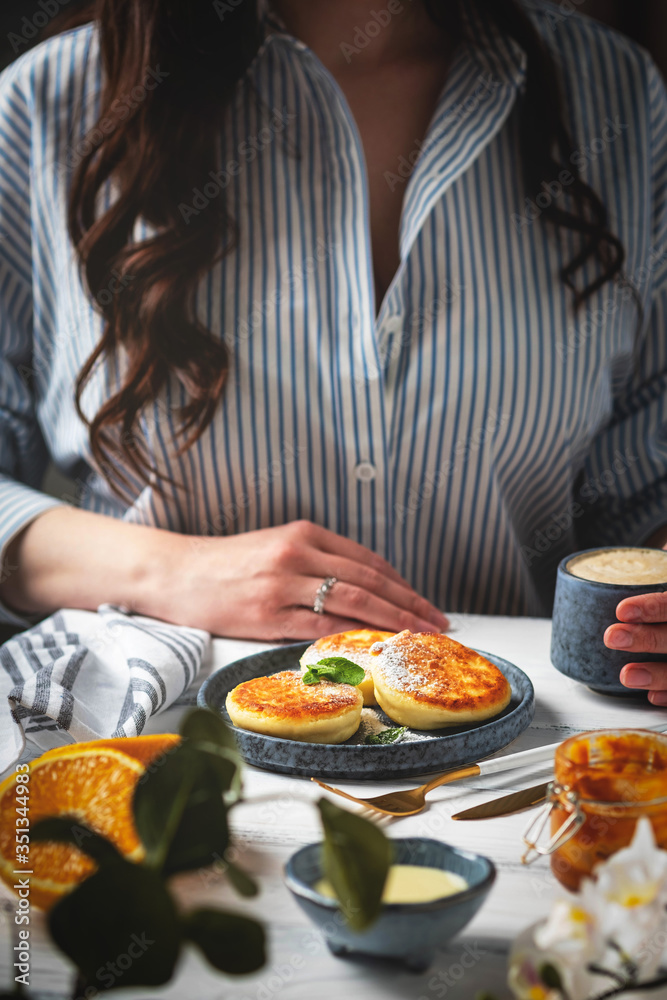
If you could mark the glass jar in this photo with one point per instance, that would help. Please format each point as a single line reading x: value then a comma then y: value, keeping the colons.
x: 604, y: 782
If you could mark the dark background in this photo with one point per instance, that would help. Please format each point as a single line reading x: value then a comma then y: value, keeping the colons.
x: 644, y: 20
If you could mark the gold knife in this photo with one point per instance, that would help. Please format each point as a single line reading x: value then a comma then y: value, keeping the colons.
x: 507, y: 804
x: 518, y: 801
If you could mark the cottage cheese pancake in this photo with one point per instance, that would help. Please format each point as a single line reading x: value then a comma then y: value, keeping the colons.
x: 355, y: 646
x: 626, y: 567
x: 282, y: 705
x: 426, y: 680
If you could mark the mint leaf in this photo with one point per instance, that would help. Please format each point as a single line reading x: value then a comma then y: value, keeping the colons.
x: 386, y: 736
x: 336, y: 669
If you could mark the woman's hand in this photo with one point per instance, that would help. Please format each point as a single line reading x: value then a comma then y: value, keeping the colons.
x: 255, y: 585
x: 262, y: 585
x: 644, y: 630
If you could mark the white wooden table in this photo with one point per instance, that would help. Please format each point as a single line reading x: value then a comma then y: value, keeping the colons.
x: 299, y: 966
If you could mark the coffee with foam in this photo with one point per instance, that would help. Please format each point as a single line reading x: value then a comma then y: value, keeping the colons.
x: 623, y: 566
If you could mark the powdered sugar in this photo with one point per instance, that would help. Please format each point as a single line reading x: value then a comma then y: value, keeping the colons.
x: 413, y: 736
x: 391, y: 663
x: 374, y: 721
x: 371, y: 724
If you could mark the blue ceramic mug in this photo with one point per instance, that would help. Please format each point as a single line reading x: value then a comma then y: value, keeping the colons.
x: 583, y: 611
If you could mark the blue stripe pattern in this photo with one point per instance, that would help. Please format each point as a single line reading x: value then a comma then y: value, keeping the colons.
x: 470, y: 427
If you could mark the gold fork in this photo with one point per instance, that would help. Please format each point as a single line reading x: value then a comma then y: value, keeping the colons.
x: 413, y: 800
x: 409, y: 802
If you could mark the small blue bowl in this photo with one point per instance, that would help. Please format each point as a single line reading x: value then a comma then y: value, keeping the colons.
x: 410, y: 933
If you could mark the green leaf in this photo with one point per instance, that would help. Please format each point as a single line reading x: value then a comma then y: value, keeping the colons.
x: 244, y: 885
x: 227, y: 763
x: 550, y: 976
x: 119, y: 927
x: 203, y: 726
x: 70, y: 830
x: 356, y: 856
x: 232, y: 943
x: 386, y: 736
x: 210, y: 734
x: 179, y: 811
x: 337, y: 669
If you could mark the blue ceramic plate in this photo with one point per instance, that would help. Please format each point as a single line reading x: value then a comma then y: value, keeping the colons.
x: 419, y: 752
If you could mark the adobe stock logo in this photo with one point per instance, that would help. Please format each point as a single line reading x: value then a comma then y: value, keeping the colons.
x: 555, y: 188
x: 362, y: 35
x: 247, y: 152
x: 589, y: 494
x: 222, y: 8
x: 30, y: 27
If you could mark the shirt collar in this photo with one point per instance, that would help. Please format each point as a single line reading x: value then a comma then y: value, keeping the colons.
x: 486, y: 76
x: 495, y: 52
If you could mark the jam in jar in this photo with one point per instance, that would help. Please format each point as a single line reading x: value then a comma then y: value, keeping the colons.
x: 604, y: 782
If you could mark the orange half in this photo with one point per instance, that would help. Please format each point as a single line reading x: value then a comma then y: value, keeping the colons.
x: 92, y: 781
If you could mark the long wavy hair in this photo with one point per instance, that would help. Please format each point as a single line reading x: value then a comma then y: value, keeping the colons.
x: 157, y: 154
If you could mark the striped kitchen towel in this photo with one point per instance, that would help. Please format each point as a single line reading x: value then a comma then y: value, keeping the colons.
x: 93, y: 674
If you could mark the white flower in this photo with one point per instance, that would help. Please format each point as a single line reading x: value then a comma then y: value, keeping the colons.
x: 635, y: 876
x: 619, y: 917
x: 528, y: 960
x: 631, y: 892
x: 571, y: 930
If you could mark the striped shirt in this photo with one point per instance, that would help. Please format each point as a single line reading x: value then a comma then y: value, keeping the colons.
x: 470, y: 427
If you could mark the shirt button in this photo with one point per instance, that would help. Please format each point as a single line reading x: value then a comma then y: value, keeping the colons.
x: 365, y: 472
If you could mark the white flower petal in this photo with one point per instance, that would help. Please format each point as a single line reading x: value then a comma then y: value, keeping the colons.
x: 625, y: 905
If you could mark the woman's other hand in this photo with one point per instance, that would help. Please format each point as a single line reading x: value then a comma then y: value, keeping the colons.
x: 643, y: 630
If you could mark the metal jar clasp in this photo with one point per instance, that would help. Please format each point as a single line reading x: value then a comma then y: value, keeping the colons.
x: 556, y: 795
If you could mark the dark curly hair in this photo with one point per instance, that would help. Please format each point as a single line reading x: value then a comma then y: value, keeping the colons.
x: 158, y: 153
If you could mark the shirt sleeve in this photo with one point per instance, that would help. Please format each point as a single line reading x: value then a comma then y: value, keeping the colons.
x: 624, y: 487
x: 23, y: 453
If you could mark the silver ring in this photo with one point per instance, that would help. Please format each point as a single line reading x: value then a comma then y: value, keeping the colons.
x: 321, y: 595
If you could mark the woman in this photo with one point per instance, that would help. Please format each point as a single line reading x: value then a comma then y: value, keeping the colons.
x: 362, y: 295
